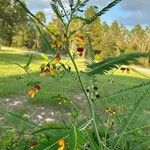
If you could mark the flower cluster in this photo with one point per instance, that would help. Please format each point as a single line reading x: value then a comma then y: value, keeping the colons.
x: 50, y: 69
x: 46, y: 69
x: 80, y: 44
x: 34, y: 90
x: 110, y: 111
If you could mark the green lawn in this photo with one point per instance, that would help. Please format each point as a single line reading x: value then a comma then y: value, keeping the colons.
x: 51, y: 87
x: 55, y: 89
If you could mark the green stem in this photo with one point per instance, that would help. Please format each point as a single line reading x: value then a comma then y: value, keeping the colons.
x: 75, y: 136
x: 88, y: 99
x: 82, y: 85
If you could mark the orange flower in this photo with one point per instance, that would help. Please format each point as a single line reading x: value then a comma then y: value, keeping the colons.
x: 47, y: 70
x: 33, y: 91
x: 50, y: 69
x: 57, y: 58
x: 61, y: 144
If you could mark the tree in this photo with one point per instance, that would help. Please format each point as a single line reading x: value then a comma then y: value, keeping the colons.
x: 136, y: 38
x: 41, y: 16
x: 38, y: 42
x: 139, y: 40
x: 94, y: 30
x: 114, y: 40
x: 25, y: 37
x: 147, y: 43
x: 12, y: 17
x: 56, y: 27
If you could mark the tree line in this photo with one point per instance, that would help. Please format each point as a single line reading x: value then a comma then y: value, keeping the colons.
x: 18, y: 30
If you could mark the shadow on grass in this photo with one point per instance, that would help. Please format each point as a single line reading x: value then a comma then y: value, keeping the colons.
x: 55, y: 94
x: 52, y: 88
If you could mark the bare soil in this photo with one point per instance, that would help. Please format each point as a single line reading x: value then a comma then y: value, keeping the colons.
x: 38, y: 113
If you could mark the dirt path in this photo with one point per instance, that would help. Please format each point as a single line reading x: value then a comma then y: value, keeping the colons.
x: 145, y: 71
x: 38, y: 114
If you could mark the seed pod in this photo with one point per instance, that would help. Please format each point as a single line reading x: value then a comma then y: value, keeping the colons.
x: 95, y: 88
x: 87, y: 90
x: 81, y: 10
x: 97, y: 96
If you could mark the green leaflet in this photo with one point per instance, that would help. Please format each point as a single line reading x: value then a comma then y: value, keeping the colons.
x: 32, y: 83
x: 18, y: 119
x: 111, y: 63
x: 101, y: 12
x: 29, y: 61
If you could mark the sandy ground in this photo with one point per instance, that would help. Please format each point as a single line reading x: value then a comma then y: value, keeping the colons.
x: 37, y: 113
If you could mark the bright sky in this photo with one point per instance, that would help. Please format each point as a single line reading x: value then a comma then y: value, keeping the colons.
x: 127, y: 12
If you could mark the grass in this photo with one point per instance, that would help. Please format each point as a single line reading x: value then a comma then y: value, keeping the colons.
x: 53, y: 90
x: 52, y: 87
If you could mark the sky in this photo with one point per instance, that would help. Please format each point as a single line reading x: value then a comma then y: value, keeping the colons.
x: 127, y: 12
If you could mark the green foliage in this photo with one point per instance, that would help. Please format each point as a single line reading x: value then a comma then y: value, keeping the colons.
x: 103, y: 11
x: 109, y: 6
x: 56, y: 10
x: 111, y: 63
x: 19, y: 121
x: 12, y: 17
x: 108, y: 41
x: 118, y: 123
x: 24, y: 37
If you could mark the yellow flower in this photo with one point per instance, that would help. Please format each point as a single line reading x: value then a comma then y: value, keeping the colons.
x: 97, y: 57
x: 61, y: 144
x: 33, y: 91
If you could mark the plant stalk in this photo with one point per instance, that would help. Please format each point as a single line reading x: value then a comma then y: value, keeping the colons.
x: 88, y: 99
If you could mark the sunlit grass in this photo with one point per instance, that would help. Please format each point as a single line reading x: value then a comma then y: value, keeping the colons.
x: 11, y: 85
